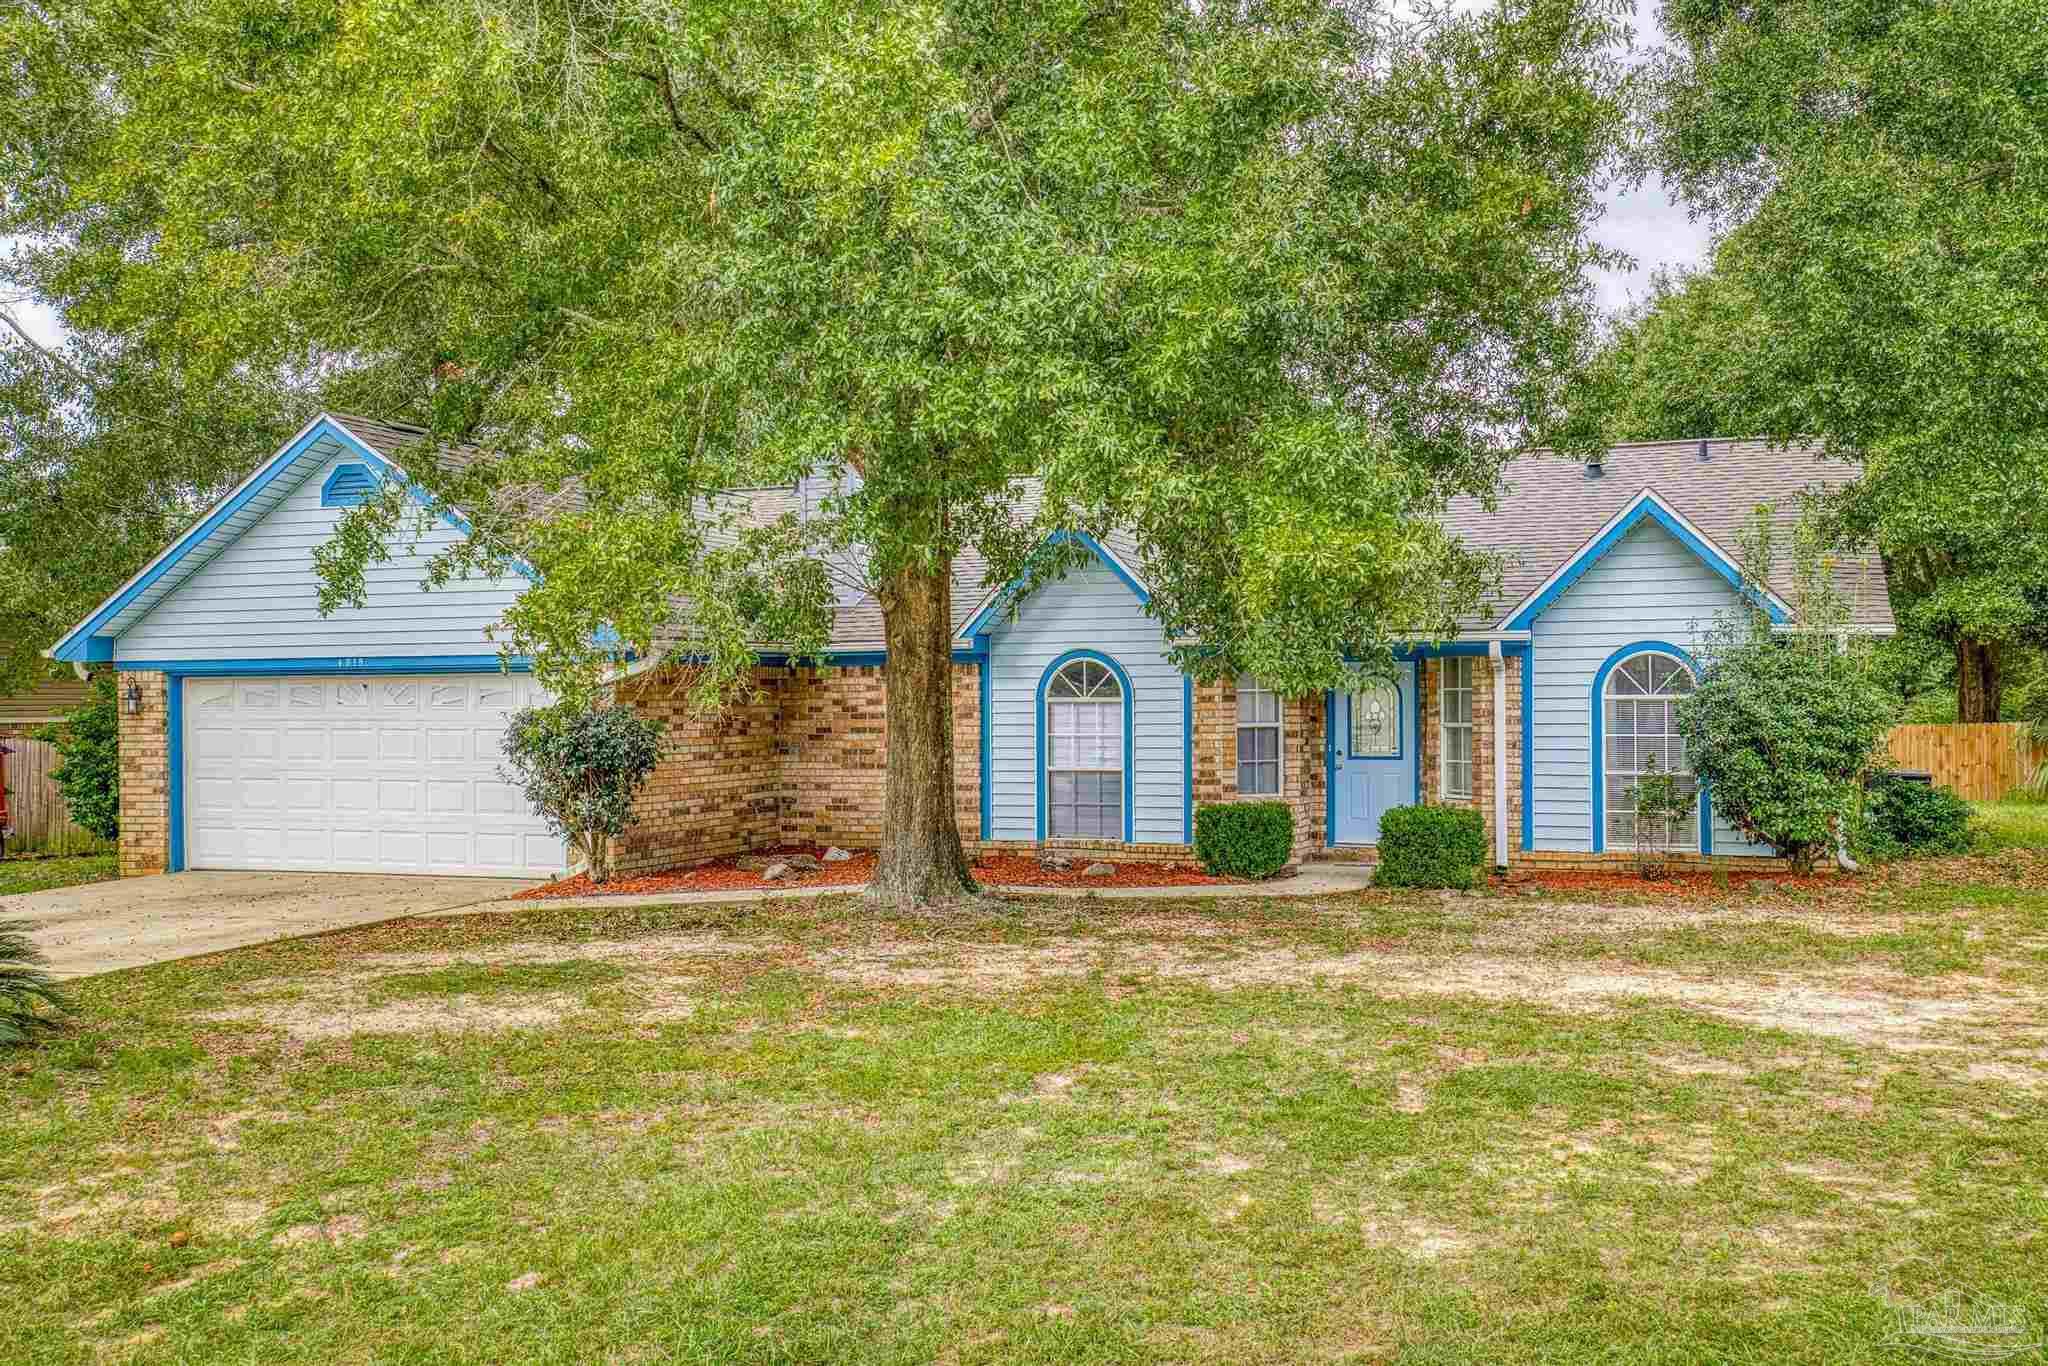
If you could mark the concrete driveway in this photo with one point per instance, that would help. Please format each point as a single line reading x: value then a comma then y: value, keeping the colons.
x: 105, y: 926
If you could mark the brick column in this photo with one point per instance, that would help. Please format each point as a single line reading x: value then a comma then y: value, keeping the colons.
x: 1303, y: 778
x: 145, y: 776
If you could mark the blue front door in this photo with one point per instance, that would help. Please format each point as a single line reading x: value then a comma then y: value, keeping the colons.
x: 1372, y: 755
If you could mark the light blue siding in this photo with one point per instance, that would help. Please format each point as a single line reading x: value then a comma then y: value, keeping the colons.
x: 258, y: 598
x: 1089, y: 609
x: 1647, y: 587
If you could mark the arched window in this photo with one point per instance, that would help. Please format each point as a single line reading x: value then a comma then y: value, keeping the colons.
x: 1639, y: 711
x: 1084, y: 714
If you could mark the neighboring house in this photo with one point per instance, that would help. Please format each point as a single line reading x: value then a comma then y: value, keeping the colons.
x: 264, y: 735
x: 35, y: 706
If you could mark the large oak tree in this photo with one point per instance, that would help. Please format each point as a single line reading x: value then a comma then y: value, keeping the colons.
x: 1260, y: 283
x: 1880, y: 171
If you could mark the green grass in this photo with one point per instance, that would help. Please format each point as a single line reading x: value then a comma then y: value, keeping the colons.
x: 41, y: 874
x: 1361, y: 1128
x: 2012, y: 824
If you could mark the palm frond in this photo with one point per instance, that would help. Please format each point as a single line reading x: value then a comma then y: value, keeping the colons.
x: 29, y: 998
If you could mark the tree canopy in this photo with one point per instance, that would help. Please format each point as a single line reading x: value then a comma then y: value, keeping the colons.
x: 1260, y: 284
x: 1880, y: 171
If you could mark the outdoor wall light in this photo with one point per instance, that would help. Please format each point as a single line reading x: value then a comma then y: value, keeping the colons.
x: 132, y: 699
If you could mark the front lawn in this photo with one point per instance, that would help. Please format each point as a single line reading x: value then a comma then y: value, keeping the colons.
x: 2012, y: 824
x: 1507, y: 1128
x: 41, y: 874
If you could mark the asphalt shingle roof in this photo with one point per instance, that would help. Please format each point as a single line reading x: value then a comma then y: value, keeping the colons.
x: 1549, y: 510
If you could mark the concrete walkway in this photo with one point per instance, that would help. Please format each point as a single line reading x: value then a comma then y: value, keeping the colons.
x: 129, y: 922
x: 1315, y: 879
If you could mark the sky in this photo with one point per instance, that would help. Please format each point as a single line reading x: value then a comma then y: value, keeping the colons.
x: 1647, y: 223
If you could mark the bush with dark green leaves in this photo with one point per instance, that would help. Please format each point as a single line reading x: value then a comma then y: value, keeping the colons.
x: 581, y: 770
x: 1920, y: 818
x: 1430, y: 846
x: 28, y: 994
x: 88, y: 772
x: 1244, y: 839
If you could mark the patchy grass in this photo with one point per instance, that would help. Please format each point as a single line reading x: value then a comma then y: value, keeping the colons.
x: 19, y: 875
x: 1359, y: 1128
x: 499, y: 979
x: 2012, y: 824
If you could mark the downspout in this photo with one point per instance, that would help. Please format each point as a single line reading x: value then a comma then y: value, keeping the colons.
x: 1498, y: 662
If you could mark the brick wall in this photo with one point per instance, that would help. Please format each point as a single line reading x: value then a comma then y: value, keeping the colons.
x: 802, y: 762
x: 715, y: 789
x: 1302, y: 775
x: 1485, y: 734
x: 145, y: 778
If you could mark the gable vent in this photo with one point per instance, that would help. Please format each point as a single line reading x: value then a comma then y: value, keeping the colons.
x: 348, y: 486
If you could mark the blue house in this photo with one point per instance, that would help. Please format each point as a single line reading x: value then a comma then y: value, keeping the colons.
x: 258, y: 734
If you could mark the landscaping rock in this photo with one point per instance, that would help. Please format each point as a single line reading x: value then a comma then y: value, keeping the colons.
x: 1054, y: 863
x: 1099, y: 870
x: 775, y: 872
x: 836, y: 855
x: 761, y: 863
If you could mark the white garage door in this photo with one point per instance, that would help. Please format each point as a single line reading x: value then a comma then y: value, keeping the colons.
x: 389, y: 774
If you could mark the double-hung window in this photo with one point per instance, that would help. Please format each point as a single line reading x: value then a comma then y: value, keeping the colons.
x: 1454, y: 716
x: 1084, y: 755
x: 1258, y: 738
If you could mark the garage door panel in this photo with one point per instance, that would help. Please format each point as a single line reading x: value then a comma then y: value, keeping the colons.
x: 358, y: 775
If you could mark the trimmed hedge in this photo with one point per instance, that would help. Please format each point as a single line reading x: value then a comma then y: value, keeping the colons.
x: 1430, y: 846
x: 1244, y: 839
x: 1919, y: 818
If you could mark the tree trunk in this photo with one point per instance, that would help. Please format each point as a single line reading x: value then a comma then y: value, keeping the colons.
x: 921, y: 860
x: 1979, y: 686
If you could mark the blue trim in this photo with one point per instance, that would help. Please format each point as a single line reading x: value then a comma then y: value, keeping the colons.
x: 325, y: 429
x: 418, y: 494
x: 1187, y: 758
x: 184, y: 545
x: 1448, y: 649
x: 1647, y: 505
x: 1626, y: 652
x: 1329, y: 769
x: 174, y: 719
x: 858, y: 659
x: 985, y: 666
x: 985, y: 619
x: 177, y: 671
x: 1038, y: 771
x: 1528, y: 653
x: 342, y: 664
x: 349, y: 486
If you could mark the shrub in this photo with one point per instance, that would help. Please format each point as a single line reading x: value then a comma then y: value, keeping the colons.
x: 1430, y: 846
x: 581, y: 770
x: 1244, y: 839
x: 1920, y: 819
x: 88, y: 742
x: 24, y: 985
x: 1665, y: 803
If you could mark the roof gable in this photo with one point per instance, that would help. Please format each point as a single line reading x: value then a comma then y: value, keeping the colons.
x: 1647, y: 505
x: 316, y: 444
x: 996, y: 601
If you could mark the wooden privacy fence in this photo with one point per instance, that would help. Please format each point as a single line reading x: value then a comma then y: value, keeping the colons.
x: 35, y: 808
x: 1984, y: 762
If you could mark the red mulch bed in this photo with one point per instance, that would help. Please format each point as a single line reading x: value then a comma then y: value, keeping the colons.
x: 1688, y: 883
x: 725, y: 875
x: 720, y: 875
x: 1018, y: 870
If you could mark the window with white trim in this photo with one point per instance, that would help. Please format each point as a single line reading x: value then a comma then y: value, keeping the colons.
x: 1454, y: 720
x: 1258, y: 738
x: 1639, y: 724
x: 1084, y: 752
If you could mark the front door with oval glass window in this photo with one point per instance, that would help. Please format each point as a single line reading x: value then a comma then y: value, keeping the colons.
x: 1372, y: 759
